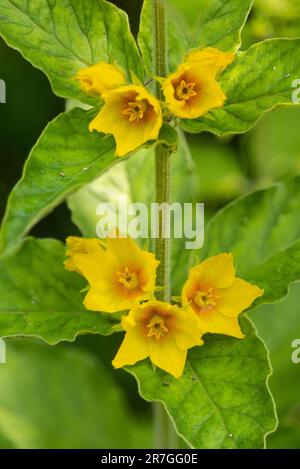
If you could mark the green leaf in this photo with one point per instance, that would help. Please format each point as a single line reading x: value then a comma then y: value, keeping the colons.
x: 65, y: 157
x: 262, y: 230
x: 217, y: 24
x: 259, y: 80
x: 39, y: 298
x: 222, y: 400
x: 59, y: 397
x: 187, y: 10
x: 60, y: 37
x: 167, y: 136
x: 220, y: 24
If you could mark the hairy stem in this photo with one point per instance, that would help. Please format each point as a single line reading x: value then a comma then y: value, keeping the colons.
x: 165, y: 436
x: 163, y: 244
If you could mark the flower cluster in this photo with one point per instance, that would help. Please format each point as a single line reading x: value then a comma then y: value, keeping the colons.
x: 133, y: 116
x: 121, y: 277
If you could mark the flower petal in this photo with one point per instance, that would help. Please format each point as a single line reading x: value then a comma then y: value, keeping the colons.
x: 105, y: 300
x: 238, y: 297
x: 97, y: 79
x: 187, y: 332
x: 133, y: 349
x: 166, y: 355
x: 198, y: 77
x: 77, y: 245
x: 108, y: 119
x: 97, y: 267
x: 209, y: 56
x: 211, y: 97
x: 214, y: 321
x: 135, y: 259
x: 217, y: 271
x: 129, y: 135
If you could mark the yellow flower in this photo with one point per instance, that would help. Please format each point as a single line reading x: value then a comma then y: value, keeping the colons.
x: 217, y: 297
x: 160, y: 331
x: 76, y: 245
x: 97, y: 79
x: 119, y: 276
x: 131, y: 115
x: 193, y: 89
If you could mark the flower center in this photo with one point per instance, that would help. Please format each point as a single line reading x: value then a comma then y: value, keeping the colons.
x: 157, y: 327
x: 87, y: 81
x: 185, y: 90
x: 135, y: 110
x: 128, y: 279
x: 204, y: 298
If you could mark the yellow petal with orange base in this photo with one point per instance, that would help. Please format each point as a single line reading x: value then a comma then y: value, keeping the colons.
x: 120, y: 276
x: 132, y: 115
x: 193, y: 89
x: 214, y: 294
x: 160, y: 331
x: 77, y: 245
x: 98, y: 79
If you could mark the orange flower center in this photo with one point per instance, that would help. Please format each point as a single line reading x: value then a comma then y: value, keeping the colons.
x: 128, y: 279
x: 202, y: 298
x: 185, y: 90
x: 157, y: 327
x: 135, y: 110
x: 87, y: 81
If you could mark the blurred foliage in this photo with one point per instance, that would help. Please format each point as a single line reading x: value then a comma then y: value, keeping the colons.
x: 67, y: 401
x: 219, y: 172
x: 273, y: 147
x: 272, y: 18
x: 39, y: 389
x: 279, y: 325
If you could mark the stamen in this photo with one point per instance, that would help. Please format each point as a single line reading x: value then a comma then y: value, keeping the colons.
x: 135, y: 110
x: 157, y: 327
x: 128, y: 279
x: 185, y: 90
x: 203, y: 299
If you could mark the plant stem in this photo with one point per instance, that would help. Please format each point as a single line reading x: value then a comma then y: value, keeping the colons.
x: 162, y: 196
x: 165, y: 436
x: 160, y: 43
